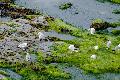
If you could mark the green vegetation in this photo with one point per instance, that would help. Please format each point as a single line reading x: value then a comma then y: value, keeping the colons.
x: 85, y: 42
x: 35, y: 71
x: 100, y: 24
x: 116, y: 11
x: 116, y: 32
x: 65, y: 6
x: 113, y: 1
x: 116, y: 1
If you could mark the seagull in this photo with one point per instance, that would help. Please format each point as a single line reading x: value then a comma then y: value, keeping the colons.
x: 93, y: 56
x: 117, y: 47
x: 23, y: 46
x: 28, y: 57
x: 42, y: 36
x: 108, y: 43
x: 72, y: 48
x: 92, y: 30
x: 39, y: 19
x: 95, y: 47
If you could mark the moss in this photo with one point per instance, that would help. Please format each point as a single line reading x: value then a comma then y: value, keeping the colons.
x: 116, y: 32
x: 52, y: 70
x: 59, y: 26
x: 112, y: 1
x: 7, y: 1
x: 86, y: 43
x: 100, y: 24
x: 65, y: 6
x: 116, y: 11
x: 11, y: 24
x: 3, y: 73
x: 116, y: 1
x: 35, y: 71
x: 30, y: 16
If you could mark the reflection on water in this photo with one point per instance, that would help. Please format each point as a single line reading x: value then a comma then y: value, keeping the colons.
x: 86, y: 9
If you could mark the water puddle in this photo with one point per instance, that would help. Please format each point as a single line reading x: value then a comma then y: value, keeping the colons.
x: 78, y: 74
x: 12, y: 74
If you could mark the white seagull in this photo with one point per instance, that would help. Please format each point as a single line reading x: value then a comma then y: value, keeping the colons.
x: 42, y: 36
x: 96, y: 47
x: 23, y: 45
x: 109, y: 43
x: 72, y: 48
x: 117, y: 47
x: 28, y: 57
x: 93, y: 56
x: 92, y: 30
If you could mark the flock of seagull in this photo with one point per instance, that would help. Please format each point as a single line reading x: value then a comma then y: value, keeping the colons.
x: 71, y: 47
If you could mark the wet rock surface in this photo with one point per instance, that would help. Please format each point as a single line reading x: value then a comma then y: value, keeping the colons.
x: 22, y: 32
x: 7, y: 9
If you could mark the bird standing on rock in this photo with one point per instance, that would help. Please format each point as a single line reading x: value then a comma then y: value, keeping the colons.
x: 117, y: 47
x: 96, y: 47
x: 93, y: 56
x: 23, y: 46
x: 28, y: 57
x: 42, y: 36
x: 72, y: 48
x: 108, y: 43
x: 92, y: 30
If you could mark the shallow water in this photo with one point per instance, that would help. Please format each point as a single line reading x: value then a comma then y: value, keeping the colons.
x: 78, y: 74
x: 12, y: 74
x: 86, y: 9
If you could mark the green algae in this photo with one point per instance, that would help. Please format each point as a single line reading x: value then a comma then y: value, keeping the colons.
x: 100, y: 24
x: 85, y: 43
x: 112, y: 1
x: 116, y: 11
x: 116, y: 32
x: 65, y: 6
x: 116, y: 1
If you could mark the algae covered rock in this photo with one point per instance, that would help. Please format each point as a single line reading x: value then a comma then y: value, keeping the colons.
x: 116, y: 32
x: 116, y: 11
x: 99, y: 24
x: 116, y: 1
x: 65, y: 6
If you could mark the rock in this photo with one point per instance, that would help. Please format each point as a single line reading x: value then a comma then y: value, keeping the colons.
x: 22, y: 21
x: 99, y: 24
x: 65, y: 6
x: 14, y: 12
x: 39, y: 21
